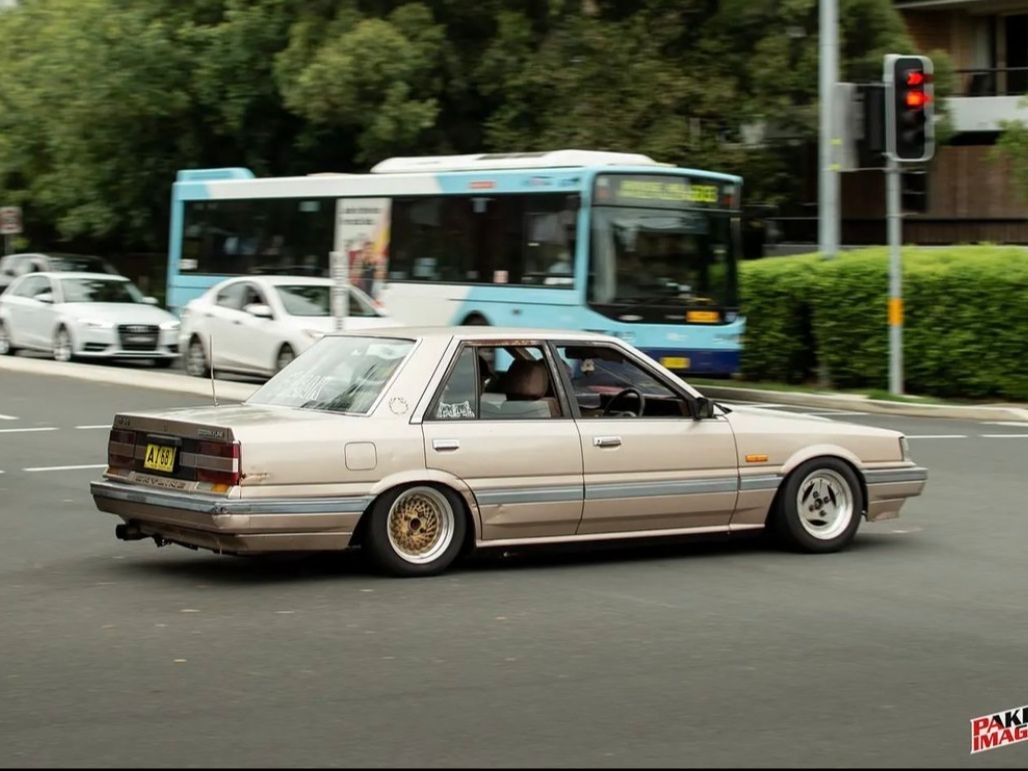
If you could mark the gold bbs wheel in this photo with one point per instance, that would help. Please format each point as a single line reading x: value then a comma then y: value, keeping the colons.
x: 420, y: 525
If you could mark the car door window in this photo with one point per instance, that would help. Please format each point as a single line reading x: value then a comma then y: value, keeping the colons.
x: 31, y: 286
x: 231, y: 297
x: 605, y: 382
x: 502, y: 382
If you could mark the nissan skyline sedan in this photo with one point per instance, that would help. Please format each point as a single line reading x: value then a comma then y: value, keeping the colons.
x: 419, y: 445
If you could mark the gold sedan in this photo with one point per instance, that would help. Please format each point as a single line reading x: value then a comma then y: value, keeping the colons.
x: 422, y: 444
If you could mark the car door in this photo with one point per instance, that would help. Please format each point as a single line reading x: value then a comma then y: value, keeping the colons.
x: 18, y: 305
x: 658, y: 470
x: 508, y: 434
x: 36, y: 315
x: 255, y: 339
x: 222, y: 319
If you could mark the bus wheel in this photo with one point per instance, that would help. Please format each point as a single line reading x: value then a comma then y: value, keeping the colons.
x: 476, y: 320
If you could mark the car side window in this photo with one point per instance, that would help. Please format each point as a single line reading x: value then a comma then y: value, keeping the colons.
x: 607, y: 383
x: 499, y: 382
x: 252, y: 296
x: 31, y: 286
x: 232, y: 296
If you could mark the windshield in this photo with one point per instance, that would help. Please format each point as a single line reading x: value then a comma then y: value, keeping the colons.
x: 315, y: 300
x: 79, y: 263
x: 339, y: 374
x: 99, y: 290
x: 661, y: 256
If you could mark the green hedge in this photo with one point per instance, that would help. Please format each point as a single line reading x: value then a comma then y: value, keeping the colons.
x: 965, y: 322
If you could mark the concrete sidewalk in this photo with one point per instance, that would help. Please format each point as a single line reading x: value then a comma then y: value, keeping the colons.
x: 99, y: 373
x: 860, y: 403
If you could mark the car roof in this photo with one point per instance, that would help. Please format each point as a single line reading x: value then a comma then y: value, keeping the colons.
x: 76, y: 274
x: 476, y: 333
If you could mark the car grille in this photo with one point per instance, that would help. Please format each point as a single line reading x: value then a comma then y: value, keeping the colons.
x: 138, y: 337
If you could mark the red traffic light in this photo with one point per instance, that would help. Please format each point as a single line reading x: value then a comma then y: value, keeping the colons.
x: 917, y: 98
x: 915, y: 78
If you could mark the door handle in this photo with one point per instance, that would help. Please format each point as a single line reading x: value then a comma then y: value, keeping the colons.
x: 444, y: 445
x: 606, y: 441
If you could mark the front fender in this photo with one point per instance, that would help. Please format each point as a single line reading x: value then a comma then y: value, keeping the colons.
x: 804, y: 454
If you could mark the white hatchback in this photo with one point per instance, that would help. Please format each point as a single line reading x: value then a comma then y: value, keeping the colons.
x: 258, y: 324
x: 85, y: 315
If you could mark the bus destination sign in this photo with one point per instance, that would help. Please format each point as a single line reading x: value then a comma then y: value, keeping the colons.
x: 659, y: 190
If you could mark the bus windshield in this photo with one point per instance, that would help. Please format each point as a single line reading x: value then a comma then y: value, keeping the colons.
x: 660, y: 256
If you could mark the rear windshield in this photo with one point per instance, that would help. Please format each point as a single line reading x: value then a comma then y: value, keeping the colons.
x: 338, y: 374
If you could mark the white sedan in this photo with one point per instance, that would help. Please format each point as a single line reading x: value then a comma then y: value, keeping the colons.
x: 85, y: 315
x: 259, y: 324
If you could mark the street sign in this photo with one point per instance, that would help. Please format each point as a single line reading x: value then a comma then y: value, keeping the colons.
x: 10, y: 220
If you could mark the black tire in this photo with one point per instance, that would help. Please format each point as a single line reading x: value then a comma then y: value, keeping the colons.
x: 194, y: 355
x: 799, y: 530
x: 6, y: 347
x: 162, y: 363
x: 387, y: 557
x: 476, y: 320
x: 63, y: 348
x: 284, y: 357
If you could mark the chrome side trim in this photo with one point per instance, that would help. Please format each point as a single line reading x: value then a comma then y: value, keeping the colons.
x: 617, y: 536
x: 210, y: 504
x: 769, y: 482
x: 887, y: 476
x: 605, y: 491
x: 529, y: 495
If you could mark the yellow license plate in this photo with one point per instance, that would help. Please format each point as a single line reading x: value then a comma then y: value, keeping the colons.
x: 703, y: 317
x: 675, y: 362
x: 160, y: 458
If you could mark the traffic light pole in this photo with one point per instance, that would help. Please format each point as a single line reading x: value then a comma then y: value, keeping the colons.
x: 828, y: 178
x: 893, y: 213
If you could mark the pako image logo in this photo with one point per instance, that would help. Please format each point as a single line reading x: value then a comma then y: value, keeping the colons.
x: 998, y: 730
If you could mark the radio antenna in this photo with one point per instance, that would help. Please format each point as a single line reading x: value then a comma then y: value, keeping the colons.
x: 213, y: 392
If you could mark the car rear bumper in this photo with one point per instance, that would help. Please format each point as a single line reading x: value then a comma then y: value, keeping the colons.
x: 888, y: 488
x: 233, y: 525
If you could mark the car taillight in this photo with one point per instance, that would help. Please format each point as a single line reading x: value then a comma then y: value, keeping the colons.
x: 121, y: 448
x: 218, y: 463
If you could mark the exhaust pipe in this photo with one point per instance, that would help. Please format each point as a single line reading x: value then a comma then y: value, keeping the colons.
x: 128, y: 532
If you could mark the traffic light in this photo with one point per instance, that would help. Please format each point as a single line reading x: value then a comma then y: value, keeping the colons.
x: 909, y: 107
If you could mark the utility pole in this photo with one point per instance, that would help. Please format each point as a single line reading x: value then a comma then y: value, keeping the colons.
x: 828, y: 164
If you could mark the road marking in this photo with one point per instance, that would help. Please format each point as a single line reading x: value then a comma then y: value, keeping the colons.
x: 64, y: 468
x: 7, y: 417
x: 1014, y: 423
x: 1005, y: 436
x: 23, y: 430
x: 83, y: 428
x: 936, y: 436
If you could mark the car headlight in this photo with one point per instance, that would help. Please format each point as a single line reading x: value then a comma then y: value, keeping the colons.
x: 170, y: 324
x: 314, y: 334
x: 97, y: 324
x: 905, y: 448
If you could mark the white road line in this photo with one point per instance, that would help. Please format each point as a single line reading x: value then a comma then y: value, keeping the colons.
x: 7, y: 417
x: 1004, y: 436
x: 64, y: 468
x: 936, y: 436
x: 83, y: 428
x: 1015, y: 423
x: 23, y: 430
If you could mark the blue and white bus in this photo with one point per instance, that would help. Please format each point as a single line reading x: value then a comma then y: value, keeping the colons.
x: 609, y: 242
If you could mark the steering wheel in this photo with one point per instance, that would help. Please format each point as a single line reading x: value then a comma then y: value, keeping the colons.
x: 627, y: 392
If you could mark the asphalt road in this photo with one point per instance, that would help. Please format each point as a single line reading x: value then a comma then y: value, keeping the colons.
x: 712, y: 653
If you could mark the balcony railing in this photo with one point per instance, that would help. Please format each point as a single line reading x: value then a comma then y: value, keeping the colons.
x: 993, y: 81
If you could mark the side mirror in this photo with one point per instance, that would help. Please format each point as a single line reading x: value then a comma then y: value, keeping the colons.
x: 703, y: 408
x: 45, y: 297
x: 150, y: 300
x: 260, y: 310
